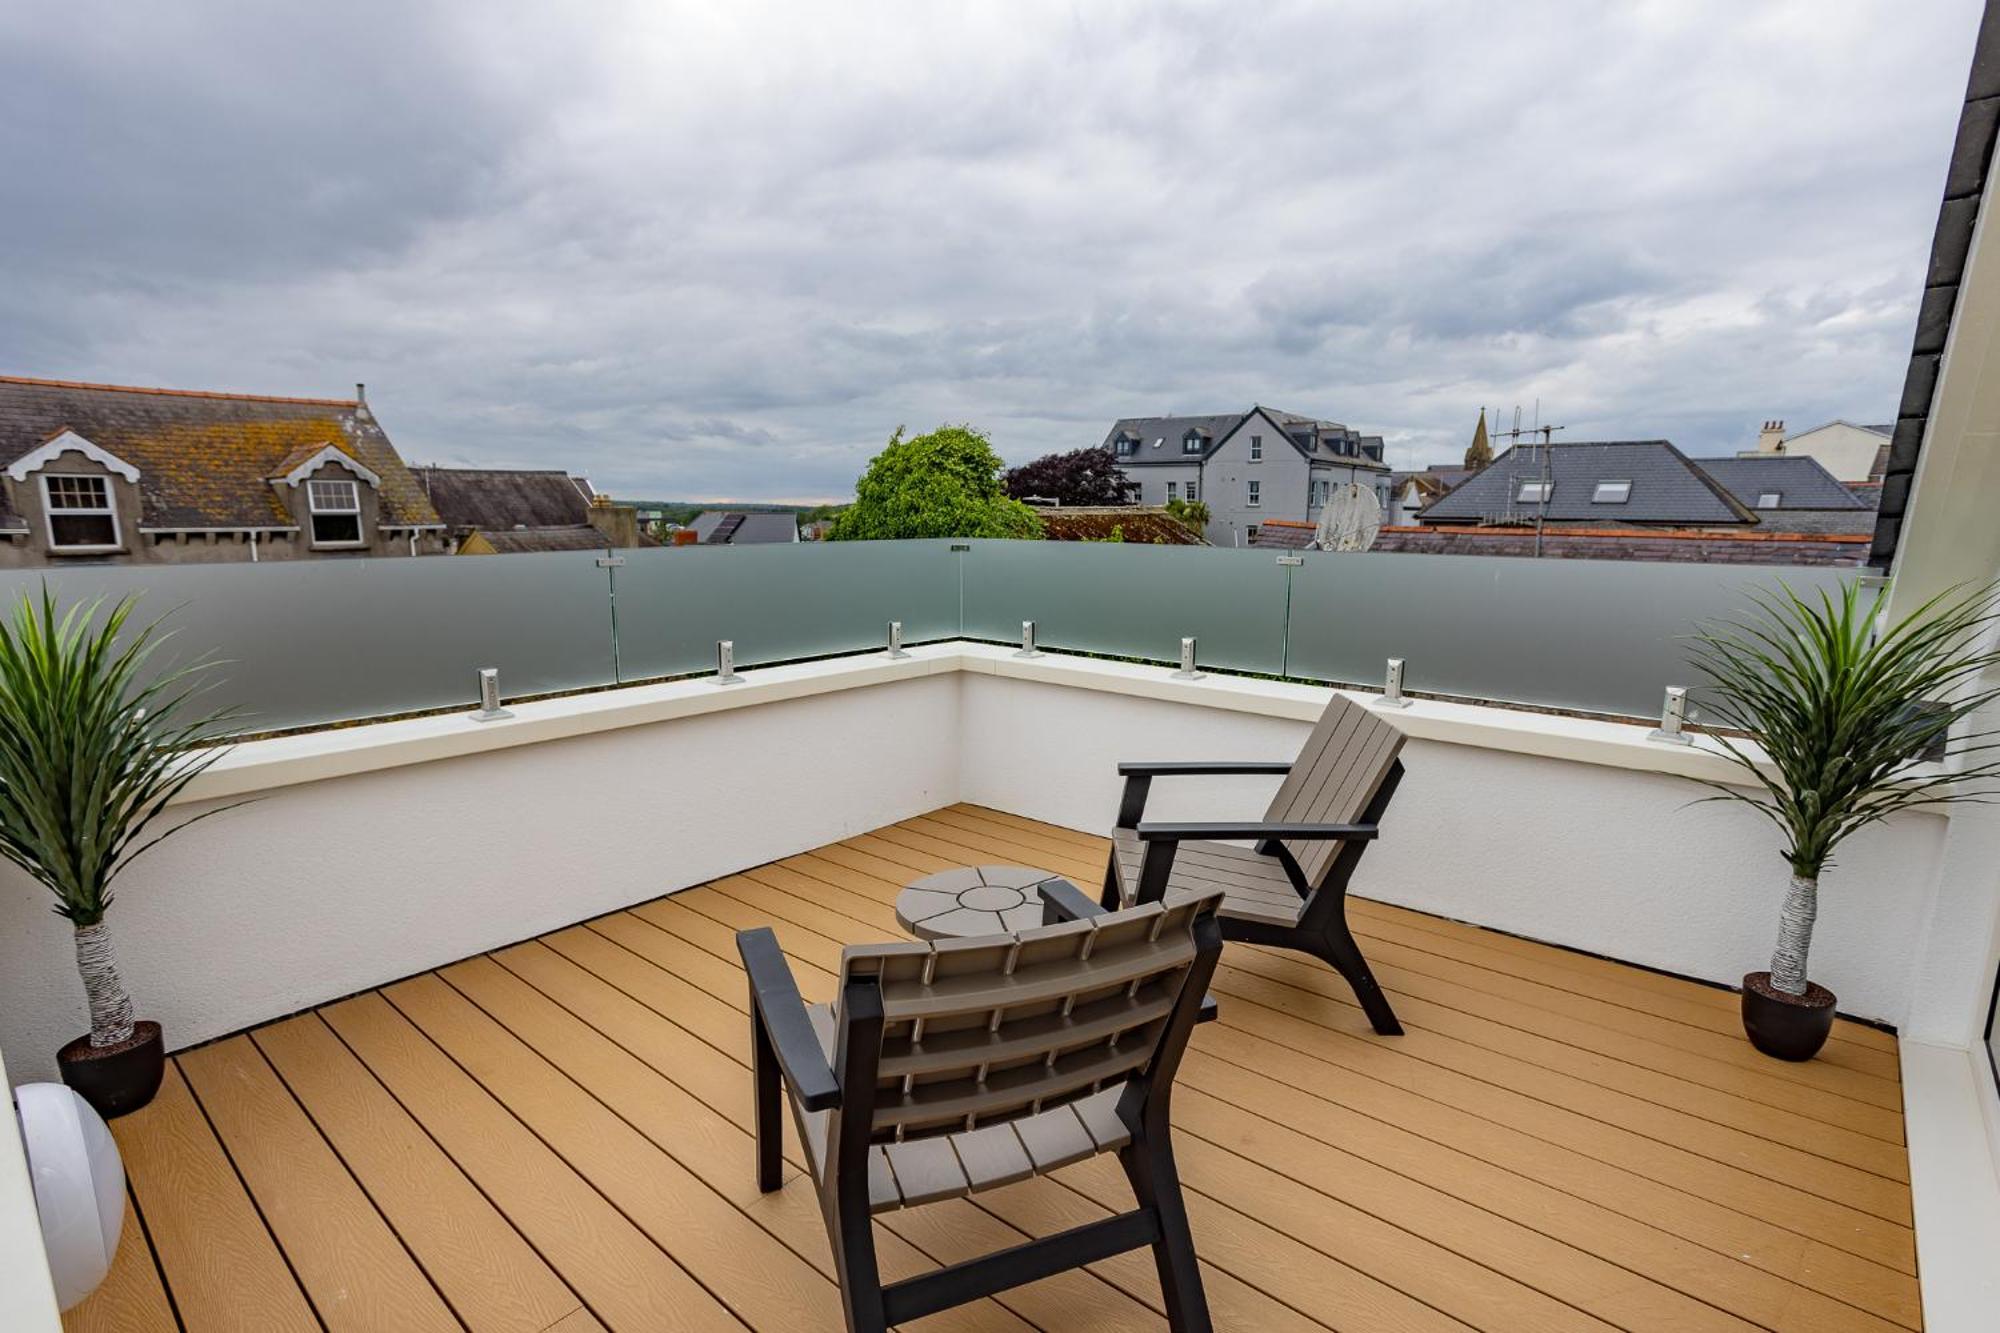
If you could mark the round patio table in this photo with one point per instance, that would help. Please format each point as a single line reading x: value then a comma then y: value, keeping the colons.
x: 973, y: 900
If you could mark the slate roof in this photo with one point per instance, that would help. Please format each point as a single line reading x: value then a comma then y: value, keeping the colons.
x: 751, y: 528
x: 1432, y: 481
x: 499, y: 499
x: 206, y: 460
x: 1951, y: 248
x: 569, y: 537
x: 1170, y: 431
x: 1799, y: 481
x: 1667, y: 487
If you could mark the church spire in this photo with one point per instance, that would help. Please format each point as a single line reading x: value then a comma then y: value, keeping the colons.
x: 1480, y: 453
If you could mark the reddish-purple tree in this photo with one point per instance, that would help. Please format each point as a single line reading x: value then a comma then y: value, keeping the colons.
x: 1079, y: 477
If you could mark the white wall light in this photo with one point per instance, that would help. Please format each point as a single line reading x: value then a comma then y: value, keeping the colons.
x: 79, y: 1186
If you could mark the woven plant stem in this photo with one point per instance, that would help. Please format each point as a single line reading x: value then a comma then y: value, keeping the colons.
x: 110, y: 1005
x: 1795, y: 928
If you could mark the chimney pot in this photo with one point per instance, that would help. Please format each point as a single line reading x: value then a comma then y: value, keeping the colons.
x: 360, y: 392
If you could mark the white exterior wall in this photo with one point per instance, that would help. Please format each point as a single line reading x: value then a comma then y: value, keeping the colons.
x: 1616, y: 863
x: 319, y: 889
x: 1848, y: 452
x: 1152, y: 480
x: 376, y: 852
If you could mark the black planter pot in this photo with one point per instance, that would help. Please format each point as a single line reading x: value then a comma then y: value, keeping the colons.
x: 116, y: 1079
x: 1789, y: 1027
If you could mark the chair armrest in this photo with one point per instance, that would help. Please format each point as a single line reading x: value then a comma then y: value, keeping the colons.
x: 782, y: 1011
x: 1064, y: 901
x: 1200, y: 767
x: 1257, y: 829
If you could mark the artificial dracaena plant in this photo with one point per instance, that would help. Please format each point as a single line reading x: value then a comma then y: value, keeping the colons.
x: 93, y: 746
x: 1846, y: 718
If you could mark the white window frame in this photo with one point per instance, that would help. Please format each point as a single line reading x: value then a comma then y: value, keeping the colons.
x: 1193, y: 491
x: 1535, y: 492
x: 1191, y: 443
x: 109, y: 510
x: 1124, y: 447
x: 314, y: 510
x: 1172, y: 487
x: 1612, y: 493
x: 1256, y: 448
x: 1253, y: 495
x: 1770, y: 499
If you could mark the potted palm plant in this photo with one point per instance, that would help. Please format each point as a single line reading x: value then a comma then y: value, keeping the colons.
x: 1847, y: 727
x: 93, y: 745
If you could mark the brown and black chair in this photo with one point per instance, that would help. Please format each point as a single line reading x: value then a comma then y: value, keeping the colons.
x: 1289, y: 888
x: 959, y: 1065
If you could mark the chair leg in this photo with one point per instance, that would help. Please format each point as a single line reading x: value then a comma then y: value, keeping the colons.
x: 1149, y: 1165
x: 769, y: 1101
x: 1345, y: 956
x: 852, y: 1232
x: 1111, y: 899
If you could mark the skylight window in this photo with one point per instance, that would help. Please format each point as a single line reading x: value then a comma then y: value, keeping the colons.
x: 1534, y: 492
x: 1770, y: 499
x: 1611, y: 493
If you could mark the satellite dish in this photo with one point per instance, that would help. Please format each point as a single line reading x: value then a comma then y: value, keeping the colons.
x: 1350, y: 519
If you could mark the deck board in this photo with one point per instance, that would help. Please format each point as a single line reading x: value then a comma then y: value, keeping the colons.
x: 554, y: 1138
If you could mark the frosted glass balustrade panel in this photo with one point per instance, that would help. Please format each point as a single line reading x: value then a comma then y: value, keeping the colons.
x: 307, y: 642
x: 1131, y: 600
x: 1589, y: 635
x: 779, y: 602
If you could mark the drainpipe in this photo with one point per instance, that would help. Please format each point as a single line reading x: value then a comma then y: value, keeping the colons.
x: 253, y: 546
x: 413, y: 531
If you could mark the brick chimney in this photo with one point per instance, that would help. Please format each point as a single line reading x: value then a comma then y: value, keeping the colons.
x: 1771, y: 440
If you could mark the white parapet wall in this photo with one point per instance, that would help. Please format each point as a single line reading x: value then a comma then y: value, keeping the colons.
x: 370, y: 853
x: 1566, y: 830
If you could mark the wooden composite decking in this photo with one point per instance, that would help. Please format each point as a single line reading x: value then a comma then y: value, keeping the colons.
x: 554, y: 1137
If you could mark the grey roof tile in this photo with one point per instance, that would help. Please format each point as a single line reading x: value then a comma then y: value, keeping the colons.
x: 1800, y: 482
x: 1666, y: 488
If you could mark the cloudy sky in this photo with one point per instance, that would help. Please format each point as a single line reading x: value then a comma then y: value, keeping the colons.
x: 722, y: 250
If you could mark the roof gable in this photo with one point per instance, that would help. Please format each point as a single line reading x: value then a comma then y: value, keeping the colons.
x: 305, y: 460
x: 67, y: 441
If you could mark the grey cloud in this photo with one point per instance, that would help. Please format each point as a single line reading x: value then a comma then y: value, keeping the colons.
x: 700, y: 250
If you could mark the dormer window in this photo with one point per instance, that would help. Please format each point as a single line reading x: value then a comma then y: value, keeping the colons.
x: 81, y: 516
x: 1191, y: 442
x: 1125, y: 446
x: 336, y: 512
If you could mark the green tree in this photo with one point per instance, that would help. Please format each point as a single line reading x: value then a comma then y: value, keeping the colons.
x: 1194, y: 513
x: 944, y: 484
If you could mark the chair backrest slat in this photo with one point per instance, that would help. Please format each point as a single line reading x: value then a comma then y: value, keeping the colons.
x: 1338, y: 771
x: 988, y: 1030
